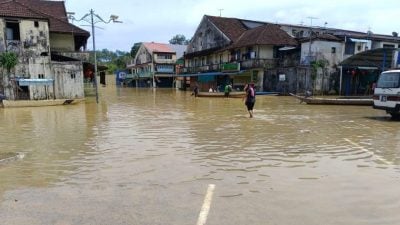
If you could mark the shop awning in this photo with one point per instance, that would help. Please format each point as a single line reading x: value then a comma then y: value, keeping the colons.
x: 380, y: 58
x: 37, y: 82
x: 360, y: 40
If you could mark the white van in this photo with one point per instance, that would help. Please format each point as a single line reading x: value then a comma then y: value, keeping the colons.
x: 387, y: 93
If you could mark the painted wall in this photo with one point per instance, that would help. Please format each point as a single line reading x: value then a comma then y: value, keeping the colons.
x: 35, y: 39
x: 32, y: 50
x: 40, y: 67
x: 33, y: 42
x: 206, y: 37
x: 68, y: 79
x: 159, y: 60
x: 265, y: 52
x: 142, y: 56
x: 62, y: 42
x: 323, y: 50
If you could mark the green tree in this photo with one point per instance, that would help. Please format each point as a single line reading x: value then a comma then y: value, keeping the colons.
x: 179, y: 39
x: 135, y: 49
x: 112, y: 60
x: 8, y: 60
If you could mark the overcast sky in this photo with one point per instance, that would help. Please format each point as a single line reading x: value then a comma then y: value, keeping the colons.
x: 160, y: 20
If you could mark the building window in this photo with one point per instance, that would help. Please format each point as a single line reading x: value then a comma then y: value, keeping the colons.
x: 333, y: 50
x: 358, y: 47
x: 164, y: 56
x: 388, y: 46
x: 12, y: 31
x: 73, y: 76
x: 41, y: 76
x: 36, y: 23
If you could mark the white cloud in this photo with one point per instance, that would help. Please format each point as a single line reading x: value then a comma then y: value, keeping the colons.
x: 160, y: 20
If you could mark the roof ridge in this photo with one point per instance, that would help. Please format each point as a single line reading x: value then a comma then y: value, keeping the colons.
x: 264, y: 30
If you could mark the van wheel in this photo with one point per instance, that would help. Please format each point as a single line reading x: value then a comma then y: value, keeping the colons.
x: 395, y: 116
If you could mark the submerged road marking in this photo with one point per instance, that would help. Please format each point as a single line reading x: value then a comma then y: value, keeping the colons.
x: 206, y: 205
x: 380, y: 158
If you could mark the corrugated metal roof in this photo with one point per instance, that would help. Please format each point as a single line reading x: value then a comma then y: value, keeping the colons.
x: 179, y: 49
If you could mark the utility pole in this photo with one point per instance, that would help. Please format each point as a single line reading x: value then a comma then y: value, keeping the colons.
x: 220, y: 12
x: 92, y: 19
x: 309, y: 52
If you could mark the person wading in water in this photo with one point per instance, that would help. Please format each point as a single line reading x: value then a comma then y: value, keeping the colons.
x: 250, y: 98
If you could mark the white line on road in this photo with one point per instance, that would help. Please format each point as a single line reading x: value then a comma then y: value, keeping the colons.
x: 206, y: 205
x: 380, y: 158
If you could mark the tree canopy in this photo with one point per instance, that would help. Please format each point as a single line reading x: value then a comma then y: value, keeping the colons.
x: 113, y: 60
x: 8, y: 60
x: 135, y: 48
x: 179, y: 39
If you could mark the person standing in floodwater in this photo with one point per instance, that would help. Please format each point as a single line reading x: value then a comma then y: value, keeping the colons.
x: 250, y: 98
x: 195, y: 90
x: 227, y: 90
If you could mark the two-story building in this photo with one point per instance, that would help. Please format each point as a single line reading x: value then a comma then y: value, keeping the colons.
x: 48, y: 47
x: 235, y: 51
x: 154, y: 64
x: 285, y: 57
x: 352, y: 60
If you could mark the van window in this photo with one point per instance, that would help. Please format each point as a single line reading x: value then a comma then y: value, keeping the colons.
x: 389, y: 80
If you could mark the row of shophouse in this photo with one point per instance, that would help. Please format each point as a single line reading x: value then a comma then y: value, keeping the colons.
x: 276, y: 57
x: 52, y: 62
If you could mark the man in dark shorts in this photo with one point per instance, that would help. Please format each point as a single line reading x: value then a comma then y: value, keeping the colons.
x: 250, y: 98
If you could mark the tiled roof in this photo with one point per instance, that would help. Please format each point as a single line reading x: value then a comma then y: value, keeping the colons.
x: 12, y: 8
x: 268, y: 34
x: 231, y: 27
x: 53, y: 8
x: 325, y: 37
x: 240, y: 35
x: 54, y: 11
x: 158, y: 47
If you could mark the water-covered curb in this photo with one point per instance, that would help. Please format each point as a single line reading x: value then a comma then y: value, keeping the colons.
x: 10, y: 156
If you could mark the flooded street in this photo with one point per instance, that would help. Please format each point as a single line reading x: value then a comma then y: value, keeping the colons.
x: 144, y: 157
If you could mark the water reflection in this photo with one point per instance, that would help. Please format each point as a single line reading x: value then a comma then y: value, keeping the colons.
x: 149, y: 150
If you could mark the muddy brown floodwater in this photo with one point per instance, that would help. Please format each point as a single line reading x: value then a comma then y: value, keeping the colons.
x: 147, y: 157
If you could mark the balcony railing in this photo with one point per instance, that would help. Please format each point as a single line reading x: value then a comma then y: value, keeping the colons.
x: 259, y: 63
x: 165, y: 61
x: 83, y: 56
x: 234, y: 66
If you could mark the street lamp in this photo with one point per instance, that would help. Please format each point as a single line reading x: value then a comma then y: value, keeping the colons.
x: 94, y: 18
